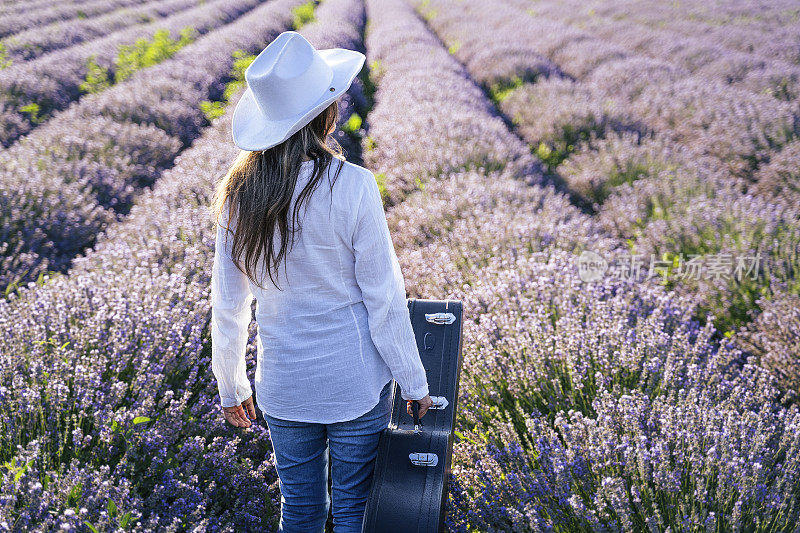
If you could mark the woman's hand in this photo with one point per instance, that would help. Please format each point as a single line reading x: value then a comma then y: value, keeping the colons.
x: 237, y: 416
x: 424, y: 404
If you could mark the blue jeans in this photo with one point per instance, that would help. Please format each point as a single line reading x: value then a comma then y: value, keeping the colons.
x: 301, y: 459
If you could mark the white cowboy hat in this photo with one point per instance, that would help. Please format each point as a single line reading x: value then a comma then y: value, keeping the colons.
x: 288, y: 84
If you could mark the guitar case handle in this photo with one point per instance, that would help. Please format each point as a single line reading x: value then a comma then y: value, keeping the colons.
x: 420, y: 458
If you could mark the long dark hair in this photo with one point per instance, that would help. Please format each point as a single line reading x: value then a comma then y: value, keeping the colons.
x: 260, y: 186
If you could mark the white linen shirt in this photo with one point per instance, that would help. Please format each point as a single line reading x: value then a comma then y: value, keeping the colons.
x: 338, y: 330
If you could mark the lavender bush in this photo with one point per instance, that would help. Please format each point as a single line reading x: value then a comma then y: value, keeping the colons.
x: 30, y: 18
x: 584, y: 406
x: 122, y: 424
x: 672, y: 205
x: 30, y: 92
x: 600, y: 164
x: 629, y: 352
x: 666, y: 108
x: 113, y: 144
x: 35, y: 42
x: 779, y: 177
x: 772, y: 338
x: 695, y: 51
x: 768, y: 31
x: 742, y: 129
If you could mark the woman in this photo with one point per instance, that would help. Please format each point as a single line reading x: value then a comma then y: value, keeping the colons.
x: 334, y: 329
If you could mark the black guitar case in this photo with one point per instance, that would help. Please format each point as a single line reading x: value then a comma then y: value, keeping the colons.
x: 409, y: 484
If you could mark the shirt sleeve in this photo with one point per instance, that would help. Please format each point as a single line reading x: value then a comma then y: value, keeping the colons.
x: 383, y: 291
x: 230, y: 317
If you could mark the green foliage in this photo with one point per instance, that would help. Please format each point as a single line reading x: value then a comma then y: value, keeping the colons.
x: 303, y: 14
x: 96, y: 78
x: 212, y: 110
x: 241, y: 60
x: 737, y: 298
x: 554, y: 150
x: 4, y: 61
x: 376, y: 69
x: 628, y: 173
x: 369, y: 78
x: 74, y: 496
x: 427, y: 12
x: 133, y: 57
x: 353, y: 124
x: 32, y: 110
x: 499, y: 91
x: 215, y: 109
x: 380, y: 178
x: 11, y: 287
x: 148, y: 52
x: 17, y: 470
x: 781, y: 89
x: 453, y: 48
x: 113, y: 513
x: 547, y: 155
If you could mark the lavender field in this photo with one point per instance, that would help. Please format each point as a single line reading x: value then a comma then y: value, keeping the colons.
x: 611, y: 188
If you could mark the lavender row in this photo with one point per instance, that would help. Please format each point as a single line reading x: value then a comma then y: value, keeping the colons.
x: 411, y: 150
x: 575, y: 110
x: 346, y: 32
x: 543, y: 344
x: 490, y: 185
x: 558, y: 116
x: 684, y: 213
x: 739, y: 128
x: 30, y: 92
x: 772, y: 339
x: 739, y: 12
x: 8, y: 7
x: 464, y: 169
x: 429, y: 224
x: 586, y: 475
x: 31, y: 18
x: 71, y: 177
x: 474, y: 209
x: 550, y: 359
x: 674, y: 205
x: 35, y: 42
x: 669, y: 201
x: 550, y: 344
x: 768, y: 30
x: 460, y: 219
x: 408, y: 149
x: 698, y: 54
x: 140, y: 421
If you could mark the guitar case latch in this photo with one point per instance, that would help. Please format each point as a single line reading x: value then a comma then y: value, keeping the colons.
x: 440, y: 318
x: 424, y: 459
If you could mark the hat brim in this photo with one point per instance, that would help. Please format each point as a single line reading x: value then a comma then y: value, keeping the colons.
x: 253, y: 131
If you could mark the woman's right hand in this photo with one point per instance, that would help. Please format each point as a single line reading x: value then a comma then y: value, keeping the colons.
x: 241, y: 415
x: 424, y: 404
